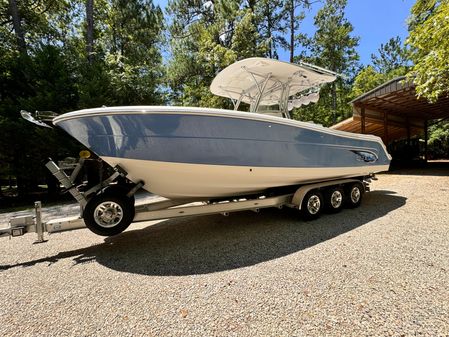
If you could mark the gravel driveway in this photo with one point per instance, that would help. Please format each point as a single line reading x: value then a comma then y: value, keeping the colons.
x: 381, y: 269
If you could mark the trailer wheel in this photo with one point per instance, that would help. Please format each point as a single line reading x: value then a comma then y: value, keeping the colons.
x: 355, y: 193
x: 109, y: 214
x: 312, y: 205
x: 334, y: 199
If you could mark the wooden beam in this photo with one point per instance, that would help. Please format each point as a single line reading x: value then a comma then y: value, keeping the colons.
x: 380, y: 121
x: 414, y: 117
x: 362, y: 113
x: 385, y: 128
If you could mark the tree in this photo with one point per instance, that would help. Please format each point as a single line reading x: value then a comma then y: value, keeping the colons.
x: 132, y: 39
x: 62, y: 55
x: 293, y: 22
x: 195, y: 27
x: 48, y: 85
x: 270, y: 15
x: 392, y: 60
x: 391, y: 55
x: 17, y: 25
x: 439, y: 140
x: 332, y: 47
x: 90, y: 30
x: 205, y: 37
x: 368, y: 78
x: 429, y: 42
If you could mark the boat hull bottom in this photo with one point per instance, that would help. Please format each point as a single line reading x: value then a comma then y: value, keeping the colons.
x: 181, y: 180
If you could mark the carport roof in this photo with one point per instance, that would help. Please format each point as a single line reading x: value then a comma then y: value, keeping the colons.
x: 393, y: 111
x: 398, y: 96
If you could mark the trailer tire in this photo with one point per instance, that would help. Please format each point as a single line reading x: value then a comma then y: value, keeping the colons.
x: 312, y: 205
x: 109, y: 214
x: 334, y: 199
x: 354, y: 195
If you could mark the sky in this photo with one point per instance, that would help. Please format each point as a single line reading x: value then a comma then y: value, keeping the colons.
x: 374, y: 21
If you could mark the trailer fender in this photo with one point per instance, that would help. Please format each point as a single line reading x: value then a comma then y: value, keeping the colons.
x: 300, y: 193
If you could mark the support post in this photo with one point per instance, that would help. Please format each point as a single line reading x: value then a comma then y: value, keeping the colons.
x: 386, y: 138
x: 408, y: 132
x: 362, y: 113
x: 39, y: 226
x: 426, y: 138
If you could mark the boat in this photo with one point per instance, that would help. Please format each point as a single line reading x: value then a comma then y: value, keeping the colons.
x: 206, y: 153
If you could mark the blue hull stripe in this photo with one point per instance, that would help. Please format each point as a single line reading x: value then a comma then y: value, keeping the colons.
x: 215, y: 140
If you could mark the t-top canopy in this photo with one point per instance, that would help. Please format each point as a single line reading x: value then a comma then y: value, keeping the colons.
x: 263, y: 81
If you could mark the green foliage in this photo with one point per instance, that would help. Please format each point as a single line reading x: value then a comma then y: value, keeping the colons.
x: 439, y: 140
x: 131, y: 39
x: 392, y: 60
x: 429, y: 42
x: 332, y: 47
x: 392, y: 55
x: 271, y: 17
x: 53, y: 72
x: 293, y: 20
x: 42, y: 82
x: 206, y: 37
x: 368, y: 78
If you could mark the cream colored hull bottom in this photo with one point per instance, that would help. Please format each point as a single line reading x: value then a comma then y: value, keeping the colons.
x: 179, y: 180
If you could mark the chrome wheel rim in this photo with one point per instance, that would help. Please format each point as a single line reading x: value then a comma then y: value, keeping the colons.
x: 355, y: 195
x: 313, y: 204
x: 336, y: 199
x: 108, y: 214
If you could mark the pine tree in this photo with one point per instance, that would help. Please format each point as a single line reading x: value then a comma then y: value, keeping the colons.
x: 391, y: 55
x: 205, y: 37
x: 332, y: 47
x: 392, y: 60
x: 270, y: 15
x: 293, y: 20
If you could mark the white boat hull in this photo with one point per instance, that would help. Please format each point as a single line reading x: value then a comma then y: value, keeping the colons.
x: 181, y: 180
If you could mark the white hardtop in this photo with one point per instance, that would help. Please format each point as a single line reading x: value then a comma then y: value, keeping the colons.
x: 263, y: 81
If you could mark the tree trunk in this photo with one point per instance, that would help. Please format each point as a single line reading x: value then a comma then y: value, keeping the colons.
x: 21, y: 187
x: 17, y: 25
x: 252, y: 5
x: 52, y: 185
x: 292, y: 30
x: 90, y: 30
x: 270, y: 38
x: 334, y: 103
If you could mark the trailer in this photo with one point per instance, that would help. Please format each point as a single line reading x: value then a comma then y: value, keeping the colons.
x: 108, y: 207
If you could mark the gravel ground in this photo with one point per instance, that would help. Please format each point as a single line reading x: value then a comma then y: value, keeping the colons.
x: 379, y: 270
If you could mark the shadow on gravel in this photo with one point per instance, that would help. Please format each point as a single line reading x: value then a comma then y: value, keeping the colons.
x: 434, y: 168
x: 215, y: 243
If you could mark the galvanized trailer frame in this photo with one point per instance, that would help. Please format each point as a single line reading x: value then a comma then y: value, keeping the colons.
x: 164, y: 209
